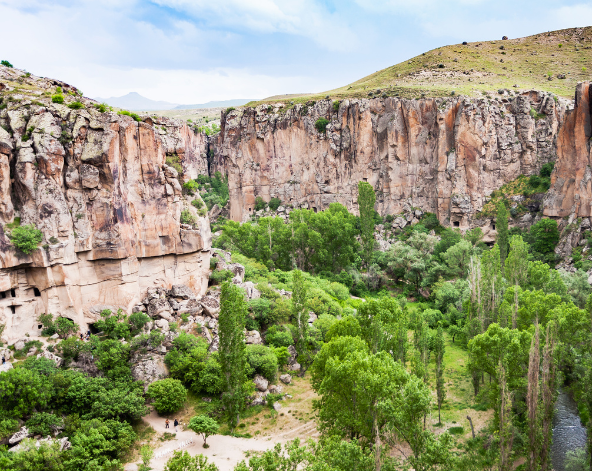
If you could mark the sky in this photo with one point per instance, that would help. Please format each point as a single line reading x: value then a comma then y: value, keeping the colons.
x: 194, y: 51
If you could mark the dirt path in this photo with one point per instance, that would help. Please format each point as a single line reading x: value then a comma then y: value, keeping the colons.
x: 225, y: 451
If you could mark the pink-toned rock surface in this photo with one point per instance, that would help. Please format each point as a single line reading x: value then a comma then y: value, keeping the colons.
x: 98, y: 187
x: 442, y: 155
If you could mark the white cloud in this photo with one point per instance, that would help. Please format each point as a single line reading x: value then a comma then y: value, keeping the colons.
x: 573, y: 15
x: 304, y: 18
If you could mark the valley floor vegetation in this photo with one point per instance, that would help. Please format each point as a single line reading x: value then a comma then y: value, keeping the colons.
x: 385, y: 367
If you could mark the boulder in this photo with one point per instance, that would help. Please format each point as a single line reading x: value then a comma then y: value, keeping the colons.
x: 293, y: 355
x: 18, y: 436
x: 294, y: 367
x: 149, y: 369
x: 277, y: 406
x: 159, y: 307
x: 275, y: 389
x: 210, y: 305
x: 19, y: 345
x: 253, y: 337
x: 162, y: 324
x: 89, y: 176
x: 259, y: 399
x: 286, y: 378
x: 182, y: 291
x: 260, y: 383
x: 50, y: 356
x: 250, y: 290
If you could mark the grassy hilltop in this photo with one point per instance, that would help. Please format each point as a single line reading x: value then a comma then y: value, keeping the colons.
x: 477, y: 68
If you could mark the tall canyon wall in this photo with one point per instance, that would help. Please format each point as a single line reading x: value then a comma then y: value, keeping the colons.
x: 97, y: 186
x: 443, y: 155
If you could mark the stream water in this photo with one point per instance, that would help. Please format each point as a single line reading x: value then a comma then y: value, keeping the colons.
x: 568, y: 431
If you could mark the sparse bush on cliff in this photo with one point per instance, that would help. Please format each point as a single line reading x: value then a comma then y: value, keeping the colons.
x: 57, y: 98
x: 76, y: 105
x: 191, y: 186
x: 321, y: 124
x: 336, y: 106
x: 228, y: 110
x: 130, y: 114
x: 26, y: 238
x: 547, y: 169
x: 187, y: 217
x: 175, y: 162
x: 6, y: 64
x: 101, y: 108
x: 219, y: 277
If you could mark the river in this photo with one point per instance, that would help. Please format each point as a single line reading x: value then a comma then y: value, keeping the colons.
x: 568, y: 431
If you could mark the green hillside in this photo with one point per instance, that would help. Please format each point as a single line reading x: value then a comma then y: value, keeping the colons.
x: 477, y: 68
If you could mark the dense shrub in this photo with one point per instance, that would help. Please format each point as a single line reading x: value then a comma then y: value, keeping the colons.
x: 6, y: 64
x: 260, y: 203
x: 137, y: 320
x: 57, y: 98
x: 101, y: 107
x: 547, y: 169
x: 191, y: 186
x: 262, y: 360
x: 131, y: 115
x: 76, y: 105
x: 168, y: 394
x: 274, y: 203
x: 279, y: 336
x: 321, y: 124
x: 26, y: 238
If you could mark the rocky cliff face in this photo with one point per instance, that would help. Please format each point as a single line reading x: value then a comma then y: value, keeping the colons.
x: 440, y: 155
x: 97, y: 186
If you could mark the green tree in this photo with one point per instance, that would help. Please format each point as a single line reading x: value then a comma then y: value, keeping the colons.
x: 146, y: 453
x: 231, y: 327
x: 65, y: 327
x: 516, y: 264
x: 168, y: 394
x: 366, y: 200
x: 183, y: 461
x: 22, y: 391
x: 439, y: 349
x: 544, y: 235
x: 412, y: 259
x: 501, y: 225
x: 26, y: 238
x: 204, y: 426
x: 458, y: 257
x: 300, y: 317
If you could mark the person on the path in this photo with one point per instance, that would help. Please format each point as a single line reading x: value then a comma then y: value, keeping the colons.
x: 81, y: 336
x: 176, y: 424
x: 166, y: 423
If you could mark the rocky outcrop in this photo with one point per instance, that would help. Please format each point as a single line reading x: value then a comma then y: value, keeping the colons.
x: 442, y: 155
x: 102, y: 189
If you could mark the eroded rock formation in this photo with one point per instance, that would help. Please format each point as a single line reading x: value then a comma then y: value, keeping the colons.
x: 109, y: 207
x: 443, y: 155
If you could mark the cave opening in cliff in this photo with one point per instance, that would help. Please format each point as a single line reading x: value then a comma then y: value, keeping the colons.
x: 13, y: 309
x: 13, y: 293
x: 493, y: 226
x: 2, y: 295
x: 93, y: 329
x: 456, y: 223
x: 36, y: 292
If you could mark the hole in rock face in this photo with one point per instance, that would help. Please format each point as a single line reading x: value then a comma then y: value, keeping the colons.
x: 2, y: 295
x: 13, y: 293
x: 40, y: 326
x: 456, y: 223
x: 13, y: 309
x: 493, y: 226
x: 93, y: 329
x: 37, y: 292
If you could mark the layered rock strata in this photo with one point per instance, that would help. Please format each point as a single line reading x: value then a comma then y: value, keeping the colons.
x: 109, y: 207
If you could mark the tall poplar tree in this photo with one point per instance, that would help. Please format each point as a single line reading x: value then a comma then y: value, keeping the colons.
x: 366, y: 200
x: 231, y: 327
x: 439, y: 348
x: 300, y: 318
x: 501, y: 225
